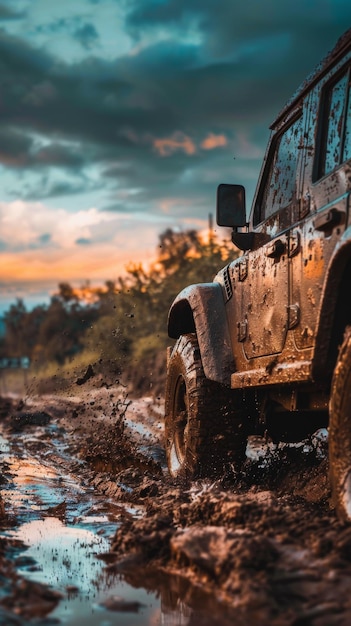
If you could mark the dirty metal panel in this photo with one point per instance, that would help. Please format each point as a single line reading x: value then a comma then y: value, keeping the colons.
x: 264, y: 300
x: 318, y: 235
x: 280, y: 375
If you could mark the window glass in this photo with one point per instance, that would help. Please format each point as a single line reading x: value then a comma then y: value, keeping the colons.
x: 280, y: 187
x: 333, y: 138
x: 347, y: 139
x: 335, y: 126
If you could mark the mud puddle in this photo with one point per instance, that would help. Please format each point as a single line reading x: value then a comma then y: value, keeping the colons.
x: 85, y: 489
x: 64, y: 526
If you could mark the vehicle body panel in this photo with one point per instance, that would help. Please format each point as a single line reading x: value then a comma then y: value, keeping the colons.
x: 277, y: 315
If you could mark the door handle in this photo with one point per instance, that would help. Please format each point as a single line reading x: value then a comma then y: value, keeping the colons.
x: 275, y: 249
x: 328, y: 219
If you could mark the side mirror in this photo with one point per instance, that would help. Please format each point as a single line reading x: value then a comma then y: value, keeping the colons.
x: 231, y: 209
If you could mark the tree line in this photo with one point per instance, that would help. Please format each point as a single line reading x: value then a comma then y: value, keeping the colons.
x: 125, y: 320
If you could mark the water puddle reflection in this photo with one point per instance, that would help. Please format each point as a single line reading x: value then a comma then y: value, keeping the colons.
x: 65, y: 559
x: 65, y: 527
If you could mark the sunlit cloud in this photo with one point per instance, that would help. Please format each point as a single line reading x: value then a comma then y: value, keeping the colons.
x: 178, y: 141
x: 102, y: 262
x: 39, y: 245
x: 181, y: 142
x: 22, y: 225
x: 213, y: 141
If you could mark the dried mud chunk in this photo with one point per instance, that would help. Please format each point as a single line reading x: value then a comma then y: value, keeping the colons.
x: 30, y: 599
x: 88, y: 374
x: 115, y: 603
x: 21, y: 420
x: 6, y: 406
x: 148, y: 489
x: 217, y: 551
x: 325, y: 614
x: 343, y: 544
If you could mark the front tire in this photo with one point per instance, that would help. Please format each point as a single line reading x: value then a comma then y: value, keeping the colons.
x: 340, y: 431
x: 204, y: 429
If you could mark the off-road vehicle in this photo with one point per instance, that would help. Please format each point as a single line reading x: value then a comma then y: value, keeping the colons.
x: 266, y: 346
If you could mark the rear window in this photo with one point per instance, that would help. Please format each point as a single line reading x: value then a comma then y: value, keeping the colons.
x: 334, y: 131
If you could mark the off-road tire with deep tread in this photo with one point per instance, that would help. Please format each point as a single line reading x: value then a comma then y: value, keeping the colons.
x: 205, y: 431
x: 339, y: 438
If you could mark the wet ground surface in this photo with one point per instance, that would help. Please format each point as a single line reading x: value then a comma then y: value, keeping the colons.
x: 57, y: 523
x: 94, y: 532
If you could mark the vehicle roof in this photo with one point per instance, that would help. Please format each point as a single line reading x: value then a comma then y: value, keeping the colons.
x: 342, y: 45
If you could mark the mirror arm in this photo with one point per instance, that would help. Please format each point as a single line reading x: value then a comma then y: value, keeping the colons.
x: 249, y: 240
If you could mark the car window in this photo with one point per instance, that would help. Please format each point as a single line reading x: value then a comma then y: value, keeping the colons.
x: 280, y: 185
x: 335, y: 126
x: 346, y: 154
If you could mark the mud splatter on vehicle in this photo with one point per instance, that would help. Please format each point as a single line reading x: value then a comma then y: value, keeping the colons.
x: 266, y: 346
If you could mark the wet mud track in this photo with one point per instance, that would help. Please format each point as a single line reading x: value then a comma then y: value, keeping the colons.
x: 95, y: 532
x: 56, y: 523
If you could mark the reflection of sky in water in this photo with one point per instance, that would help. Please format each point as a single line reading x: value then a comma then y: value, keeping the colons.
x: 4, y: 446
x: 65, y: 557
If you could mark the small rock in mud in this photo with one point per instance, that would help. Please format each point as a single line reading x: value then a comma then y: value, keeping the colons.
x: 31, y: 600
x: 220, y: 552
x: 25, y: 562
x: 115, y: 603
x: 88, y: 374
x: 72, y: 590
x: 58, y: 511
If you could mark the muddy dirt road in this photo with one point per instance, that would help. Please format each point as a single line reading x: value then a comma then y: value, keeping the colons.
x: 94, y: 531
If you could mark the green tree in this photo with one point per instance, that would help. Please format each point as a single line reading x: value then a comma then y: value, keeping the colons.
x: 135, y: 307
x: 127, y: 324
x: 21, y: 329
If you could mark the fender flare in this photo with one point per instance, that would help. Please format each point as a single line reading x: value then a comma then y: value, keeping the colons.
x: 339, y: 267
x: 200, y: 309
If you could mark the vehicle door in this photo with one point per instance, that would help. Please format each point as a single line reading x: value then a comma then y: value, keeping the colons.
x: 326, y: 201
x: 265, y: 316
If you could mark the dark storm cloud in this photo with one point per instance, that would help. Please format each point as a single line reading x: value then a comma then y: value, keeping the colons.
x: 48, y: 188
x: 192, y: 181
x: 225, y: 24
x: 87, y: 36
x: 81, y: 31
x: 58, y: 155
x: 54, y: 27
x: 15, y: 147
x: 8, y: 14
x: 121, y: 104
x: 274, y: 43
x: 112, y: 109
x: 225, y: 68
x: 20, y: 150
x: 151, y: 14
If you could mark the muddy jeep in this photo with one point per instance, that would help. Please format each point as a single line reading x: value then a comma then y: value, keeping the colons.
x: 266, y: 346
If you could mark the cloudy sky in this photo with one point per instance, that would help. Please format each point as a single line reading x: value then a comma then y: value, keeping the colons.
x: 118, y: 119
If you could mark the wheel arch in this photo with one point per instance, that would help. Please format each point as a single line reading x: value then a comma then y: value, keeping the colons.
x: 200, y: 309
x: 335, y: 310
